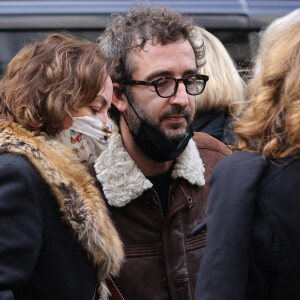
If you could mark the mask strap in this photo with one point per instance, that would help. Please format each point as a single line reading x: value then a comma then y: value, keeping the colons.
x: 134, y: 110
x: 70, y: 115
x: 125, y: 121
x: 131, y: 132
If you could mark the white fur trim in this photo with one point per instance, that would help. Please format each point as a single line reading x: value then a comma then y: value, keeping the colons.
x: 119, y: 175
x: 189, y: 165
x: 123, y: 181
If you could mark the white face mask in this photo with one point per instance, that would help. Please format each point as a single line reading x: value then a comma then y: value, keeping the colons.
x: 87, y: 137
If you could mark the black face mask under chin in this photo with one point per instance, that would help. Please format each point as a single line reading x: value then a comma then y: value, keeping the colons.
x: 155, y: 144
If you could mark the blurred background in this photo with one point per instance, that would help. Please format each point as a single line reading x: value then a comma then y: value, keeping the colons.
x: 236, y: 23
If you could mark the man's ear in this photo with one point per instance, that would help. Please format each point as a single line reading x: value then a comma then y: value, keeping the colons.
x: 119, y: 99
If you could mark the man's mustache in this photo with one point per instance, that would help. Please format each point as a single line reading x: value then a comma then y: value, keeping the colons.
x: 177, y: 110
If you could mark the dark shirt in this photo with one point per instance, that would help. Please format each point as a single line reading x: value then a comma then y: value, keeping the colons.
x: 220, y: 125
x: 211, y: 123
x: 161, y: 184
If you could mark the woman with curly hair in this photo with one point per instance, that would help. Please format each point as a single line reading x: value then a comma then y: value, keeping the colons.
x: 253, y: 223
x: 57, y: 240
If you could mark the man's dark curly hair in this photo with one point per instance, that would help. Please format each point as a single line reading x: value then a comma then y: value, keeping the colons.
x: 130, y: 32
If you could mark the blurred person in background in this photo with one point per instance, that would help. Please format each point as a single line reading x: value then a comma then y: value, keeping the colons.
x: 253, y: 223
x: 56, y: 238
x: 220, y: 103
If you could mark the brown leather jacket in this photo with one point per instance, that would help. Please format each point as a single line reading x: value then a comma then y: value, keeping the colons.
x: 162, y: 256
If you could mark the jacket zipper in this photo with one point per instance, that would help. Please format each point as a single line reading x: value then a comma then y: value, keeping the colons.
x: 169, y: 194
x: 158, y: 201
x: 169, y: 198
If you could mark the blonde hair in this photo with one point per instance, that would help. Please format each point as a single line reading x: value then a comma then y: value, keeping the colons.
x: 225, y: 89
x: 271, y: 124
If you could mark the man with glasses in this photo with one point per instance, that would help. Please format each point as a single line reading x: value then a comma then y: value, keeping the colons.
x: 155, y: 172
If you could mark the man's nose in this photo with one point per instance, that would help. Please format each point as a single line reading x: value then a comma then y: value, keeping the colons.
x: 181, y: 97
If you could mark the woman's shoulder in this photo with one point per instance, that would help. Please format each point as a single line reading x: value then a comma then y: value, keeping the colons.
x: 240, y: 162
x: 238, y: 175
x: 9, y: 160
x: 17, y: 166
x: 284, y: 173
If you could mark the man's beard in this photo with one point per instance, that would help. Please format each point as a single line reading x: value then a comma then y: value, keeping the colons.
x: 134, y: 121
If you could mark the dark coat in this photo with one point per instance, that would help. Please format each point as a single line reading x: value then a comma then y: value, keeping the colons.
x: 253, y: 230
x: 50, y: 246
x: 220, y: 125
x: 162, y: 256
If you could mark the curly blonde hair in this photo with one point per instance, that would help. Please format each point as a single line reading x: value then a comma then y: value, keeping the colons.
x: 225, y: 88
x: 45, y: 78
x: 271, y: 123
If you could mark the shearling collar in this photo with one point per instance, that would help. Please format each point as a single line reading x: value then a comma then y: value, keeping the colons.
x: 122, y: 180
x: 78, y: 198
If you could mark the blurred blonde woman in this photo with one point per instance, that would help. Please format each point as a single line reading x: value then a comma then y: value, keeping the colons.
x: 253, y: 223
x: 220, y: 102
x: 57, y: 240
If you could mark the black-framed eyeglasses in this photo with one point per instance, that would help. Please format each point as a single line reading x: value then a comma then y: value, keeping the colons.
x: 166, y: 87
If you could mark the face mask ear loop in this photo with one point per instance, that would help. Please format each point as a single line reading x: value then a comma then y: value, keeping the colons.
x: 134, y: 110
x: 131, y: 132
x: 70, y: 115
x: 126, y: 121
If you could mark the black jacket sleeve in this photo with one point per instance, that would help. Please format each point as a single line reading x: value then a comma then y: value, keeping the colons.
x: 20, y: 223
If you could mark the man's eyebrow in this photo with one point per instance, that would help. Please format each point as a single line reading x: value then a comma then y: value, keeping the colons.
x: 154, y: 75
x: 190, y: 72
x: 157, y: 74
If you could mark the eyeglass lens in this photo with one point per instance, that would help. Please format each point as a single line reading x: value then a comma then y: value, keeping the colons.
x: 166, y: 86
